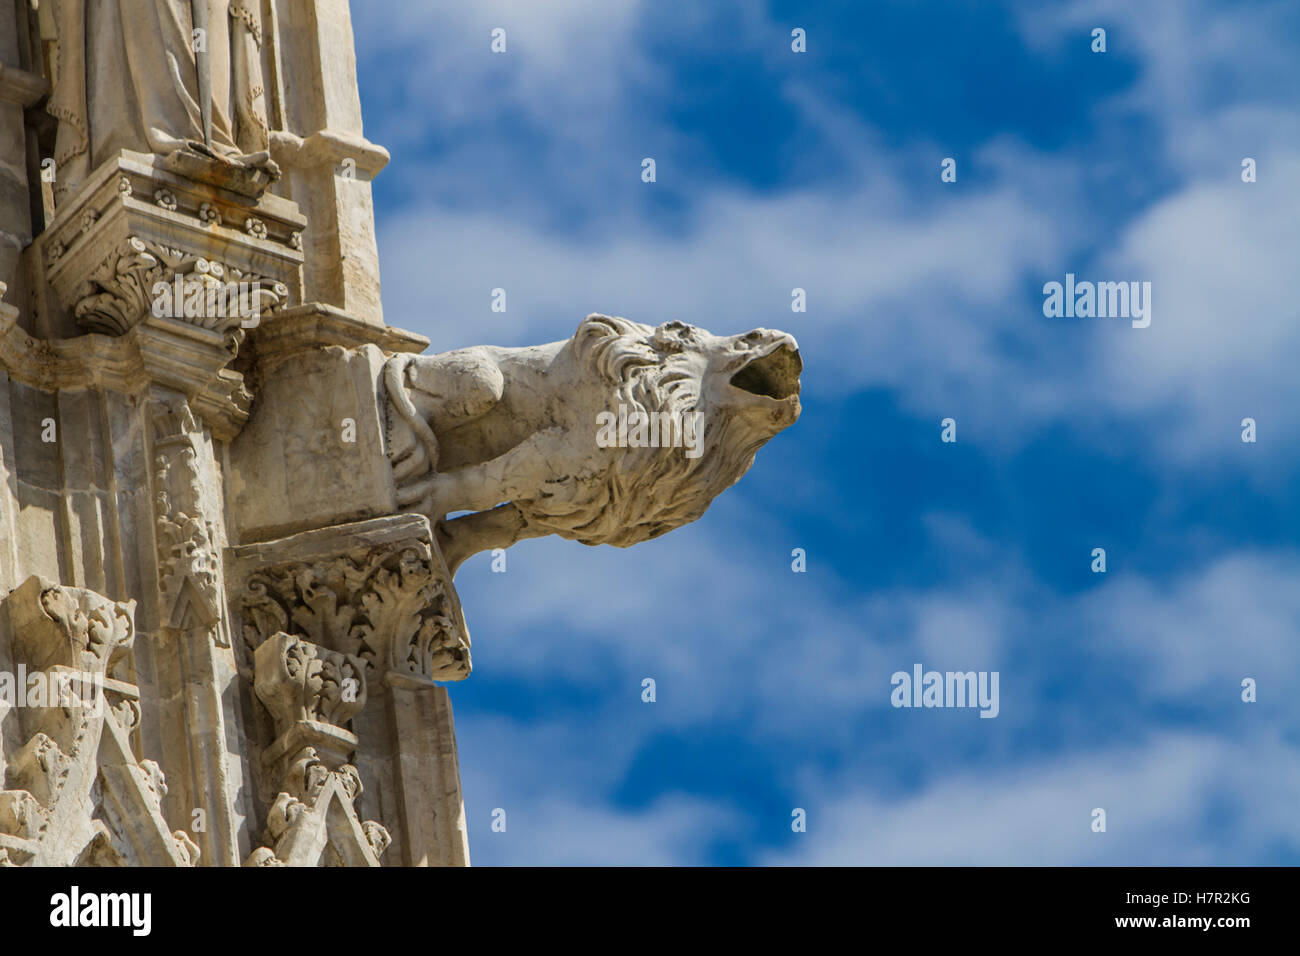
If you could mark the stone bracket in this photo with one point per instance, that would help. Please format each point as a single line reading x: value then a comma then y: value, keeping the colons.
x: 133, y: 224
x: 377, y: 589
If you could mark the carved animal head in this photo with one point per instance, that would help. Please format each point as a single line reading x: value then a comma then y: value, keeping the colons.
x: 752, y: 377
x: 727, y: 396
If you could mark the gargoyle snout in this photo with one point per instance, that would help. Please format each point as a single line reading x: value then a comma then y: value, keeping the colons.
x: 774, y: 369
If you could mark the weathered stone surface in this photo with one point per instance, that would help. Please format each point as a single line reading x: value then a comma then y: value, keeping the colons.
x: 375, y: 589
x: 237, y: 525
x: 614, y: 436
x: 312, y: 454
x: 74, y: 791
x: 370, y: 602
x: 134, y: 225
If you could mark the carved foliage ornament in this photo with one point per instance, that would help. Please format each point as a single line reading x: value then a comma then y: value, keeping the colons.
x: 298, y: 680
x: 188, y: 561
x: 311, y: 693
x: 313, y: 821
x: 140, y: 278
x: 387, y: 607
x: 76, y: 793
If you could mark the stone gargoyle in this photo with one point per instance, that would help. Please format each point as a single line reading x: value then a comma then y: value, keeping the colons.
x: 615, y: 436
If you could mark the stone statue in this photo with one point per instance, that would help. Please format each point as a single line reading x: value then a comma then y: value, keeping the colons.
x: 615, y: 436
x: 178, y: 78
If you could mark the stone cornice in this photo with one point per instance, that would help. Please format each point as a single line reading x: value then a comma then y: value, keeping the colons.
x: 133, y: 224
x: 316, y: 324
x: 328, y: 147
x: 165, y: 352
x: 147, y: 166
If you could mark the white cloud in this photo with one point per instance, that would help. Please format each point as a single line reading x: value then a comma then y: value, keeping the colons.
x: 1224, y: 331
x: 1219, y: 253
x: 553, y: 780
x: 1157, y: 797
x: 562, y: 59
x: 809, y: 674
x: 936, y: 299
x: 1195, y: 637
x: 890, y: 296
x: 673, y: 832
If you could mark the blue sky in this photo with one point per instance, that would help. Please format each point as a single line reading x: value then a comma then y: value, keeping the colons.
x: 820, y: 170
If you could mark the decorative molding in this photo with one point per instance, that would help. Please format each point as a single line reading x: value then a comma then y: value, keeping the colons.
x: 311, y: 693
x: 77, y: 794
x: 192, y: 645
x: 387, y: 608
x: 303, y: 827
x: 314, y: 325
x: 378, y: 590
x: 302, y: 682
x: 189, y: 564
x: 119, y: 292
x: 184, y: 358
x: 73, y: 628
x: 134, y: 223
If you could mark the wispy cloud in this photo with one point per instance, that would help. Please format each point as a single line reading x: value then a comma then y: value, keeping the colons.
x: 1175, y: 800
x: 522, y: 172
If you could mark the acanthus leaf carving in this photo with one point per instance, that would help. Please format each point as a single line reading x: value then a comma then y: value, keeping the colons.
x: 120, y: 291
x: 301, y: 681
x: 77, y: 793
x: 390, y: 607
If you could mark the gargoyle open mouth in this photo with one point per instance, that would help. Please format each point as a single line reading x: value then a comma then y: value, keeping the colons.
x: 774, y: 375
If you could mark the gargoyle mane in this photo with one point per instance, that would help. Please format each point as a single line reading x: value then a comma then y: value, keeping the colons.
x: 647, y: 491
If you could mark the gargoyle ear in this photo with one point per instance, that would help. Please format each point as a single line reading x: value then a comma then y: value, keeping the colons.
x: 671, y: 336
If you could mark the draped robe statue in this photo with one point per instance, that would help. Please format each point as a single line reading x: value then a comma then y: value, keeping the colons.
x: 130, y: 75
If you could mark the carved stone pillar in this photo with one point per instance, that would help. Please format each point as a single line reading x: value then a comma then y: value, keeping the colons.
x: 193, y: 658
x: 111, y: 445
x: 378, y: 592
x: 312, y: 693
x: 327, y: 161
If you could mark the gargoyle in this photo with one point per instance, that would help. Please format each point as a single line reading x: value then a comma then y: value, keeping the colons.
x: 615, y: 436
